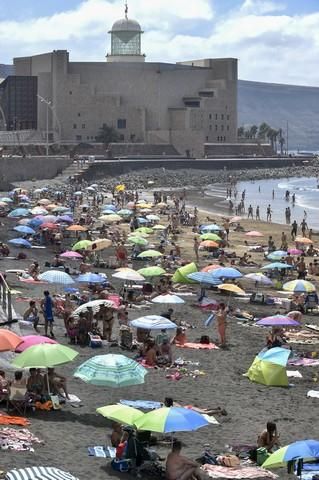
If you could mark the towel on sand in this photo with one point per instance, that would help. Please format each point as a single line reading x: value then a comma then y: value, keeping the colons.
x: 313, y: 394
x: 143, y: 404
x: 216, y: 471
x: 304, y: 362
x: 10, y: 420
x: 294, y: 374
x: 102, y: 452
x: 199, y: 346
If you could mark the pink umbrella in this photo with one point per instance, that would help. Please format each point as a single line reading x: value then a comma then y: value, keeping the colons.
x: 295, y: 251
x: 254, y: 233
x: 70, y: 254
x: 30, y: 340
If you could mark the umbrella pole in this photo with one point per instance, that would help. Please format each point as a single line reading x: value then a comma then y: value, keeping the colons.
x: 48, y: 383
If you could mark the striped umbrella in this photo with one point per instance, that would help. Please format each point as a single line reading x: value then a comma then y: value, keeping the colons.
x: 299, y: 286
x: 111, y: 371
x: 39, y: 473
x: 56, y: 276
x: 95, y: 305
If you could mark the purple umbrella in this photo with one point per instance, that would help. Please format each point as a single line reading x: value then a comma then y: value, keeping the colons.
x: 278, y: 321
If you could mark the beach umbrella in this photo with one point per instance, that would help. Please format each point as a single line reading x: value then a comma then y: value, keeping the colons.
x: 211, y: 236
x: 108, y: 211
x: 95, y: 305
x: 82, y: 245
x: 31, y: 340
x: 111, y: 371
x: 269, y: 367
x: 138, y: 241
x: 226, y: 272
x: 153, y: 218
x: 110, y: 207
x: 90, y: 277
x: 209, y: 244
x: 120, y: 188
x: 44, y: 355
x: 39, y: 473
x: 303, y: 449
x: 24, y: 229
x: 39, y: 211
x: 181, y: 273
x: 159, y: 227
x: 277, y: 255
x: 210, y: 268
x: 303, y: 240
x: 279, y: 265
x: 71, y: 254
x: 65, y: 219
x: 8, y: 340
x: 49, y: 218
x: 24, y: 221
x: 142, y: 221
x: 210, y: 228
x: 100, y: 244
x: 278, y: 321
x: 60, y: 209
x: 35, y: 222
x: 151, y: 271
x: 124, y: 212
x: 231, y: 288
x: 76, y: 228
x: 204, y: 277
x: 120, y: 413
x: 254, y: 233
x: 6, y: 199
x: 168, y: 299
x: 3, y: 204
x: 150, y: 254
x: 20, y: 242
x: 129, y: 275
x: 19, y: 212
x: 169, y: 420
x: 113, y: 218
x: 295, y: 251
x: 56, y: 276
x: 259, y: 278
x: 299, y: 286
x: 49, y: 226
x: 153, y: 322
x: 44, y: 201
x: 146, y: 230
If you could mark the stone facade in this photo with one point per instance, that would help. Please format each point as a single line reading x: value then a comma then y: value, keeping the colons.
x: 186, y: 104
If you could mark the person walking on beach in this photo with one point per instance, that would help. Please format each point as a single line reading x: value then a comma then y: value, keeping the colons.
x: 273, y: 193
x: 47, y: 310
x: 304, y: 227
x: 257, y: 213
x: 269, y: 213
x: 250, y: 212
x: 294, y: 229
x: 227, y: 227
x: 196, y: 248
x: 221, y: 317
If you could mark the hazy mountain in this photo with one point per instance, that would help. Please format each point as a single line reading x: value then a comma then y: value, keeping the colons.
x: 276, y: 104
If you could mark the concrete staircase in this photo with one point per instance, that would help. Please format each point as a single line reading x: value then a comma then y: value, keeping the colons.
x: 75, y: 169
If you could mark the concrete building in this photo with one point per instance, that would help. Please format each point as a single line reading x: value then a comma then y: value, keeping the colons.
x: 186, y: 104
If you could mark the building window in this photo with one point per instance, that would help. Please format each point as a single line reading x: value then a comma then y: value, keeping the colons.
x: 227, y: 127
x: 216, y: 128
x: 222, y: 116
x: 216, y: 116
x: 210, y: 127
x: 79, y: 114
x: 121, y: 123
x: 210, y: 116
x: 88, y: 138
x: 83, y: 125
x: 75, y: 125
x: 206, y: 139
x: 227, y: 117
x: 222, y: 128
x: 70, y: 92
x: 217, y: 139
x: 122, y: 137
x: 78, y: 138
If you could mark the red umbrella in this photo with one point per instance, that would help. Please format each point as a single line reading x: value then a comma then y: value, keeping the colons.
x: 49, y: 226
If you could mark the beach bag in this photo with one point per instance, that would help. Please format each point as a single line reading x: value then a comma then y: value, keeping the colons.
x: 95, y: 341
x: 204, y: 339
x: 121, y: 465
x: 55, y: 402
x: 229, y: 461
x: 262, y: 455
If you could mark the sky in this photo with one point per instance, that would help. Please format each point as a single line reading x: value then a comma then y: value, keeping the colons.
x: 275, y: 40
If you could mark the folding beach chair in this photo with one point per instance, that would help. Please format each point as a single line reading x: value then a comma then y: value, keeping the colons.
x: 17, y: 400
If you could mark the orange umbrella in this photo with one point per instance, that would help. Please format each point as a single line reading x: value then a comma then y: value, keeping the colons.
x: 304, y: 240
x: 49, y: 226
x: 76, y: 228
x: 210, y: 268
x: 8, y: 340
x: 209, y: 244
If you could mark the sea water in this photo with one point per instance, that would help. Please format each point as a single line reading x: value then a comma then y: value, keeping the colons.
x: 260, y: 192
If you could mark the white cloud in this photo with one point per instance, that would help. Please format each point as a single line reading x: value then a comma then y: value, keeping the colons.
x: 271, y: 45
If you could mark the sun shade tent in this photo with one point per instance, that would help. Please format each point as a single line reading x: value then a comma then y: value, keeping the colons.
x: 181, y: 274
x: 303, y: 449
x: 269, y: 368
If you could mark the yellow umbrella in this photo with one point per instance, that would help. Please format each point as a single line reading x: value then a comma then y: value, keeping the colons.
x: 230, y: 287
x: 120, y: 188
x: 113, y: 218
x: 100, y: 244
x: 159, y: 227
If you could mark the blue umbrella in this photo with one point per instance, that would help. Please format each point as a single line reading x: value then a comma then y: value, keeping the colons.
x: 6, y: 200
x: 142, y: 220
x: 173, y: 419
x: 303, y: 449
x: 90, y: 278
x: 19, y: 212
x: 35, y: 222
x: 109, y: 207
x: 153, y: 322
x: 71, y: 290
x: 65, y: 218
x: 24, y: 229
x: 56, y: 276
x: 20, y: 242
x: 211, y: 228
x: 226, y: 272
x: 279, y: 265
x: 204, y: 277
x: 277, y: 255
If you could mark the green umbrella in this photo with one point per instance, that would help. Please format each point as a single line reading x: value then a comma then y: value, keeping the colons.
x: 210, y: 236
x: 82, y: 245
x: 144, y: 230
x: 111, y: 371
x: 150, y: 254
x: 121, y: 413
x: 151, y: 271
x: 138, y: 241
x: 44, y: 355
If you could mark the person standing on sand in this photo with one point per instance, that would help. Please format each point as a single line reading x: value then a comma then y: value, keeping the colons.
x: 294, y: 229
x: 257, y: 213
x: 250, y: 212
x: 47, y: 310
x: 221, y: 317
x: 269, y: 212
x: 196, y: 248
x: 227, y: 227
x: 304, y: 227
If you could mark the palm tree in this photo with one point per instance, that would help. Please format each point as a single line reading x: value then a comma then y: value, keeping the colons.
x: 253, y: 131
x: 241, y: 132
x: 263, y: 131
x: 107, y: 135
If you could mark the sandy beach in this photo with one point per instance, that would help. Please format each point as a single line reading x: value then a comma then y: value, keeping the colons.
x: 66, y: 434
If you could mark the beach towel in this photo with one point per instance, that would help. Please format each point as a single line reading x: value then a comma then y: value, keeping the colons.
x: 313, y: 394
x: 304, y: 362
x: 17, y: 440
x: 10, y: 420
x: 216, y: 471
x: 294, y: 374
x: 143, y: 404
x: 73, y: 399
x: 199, y: 346
x: 102, y: 452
